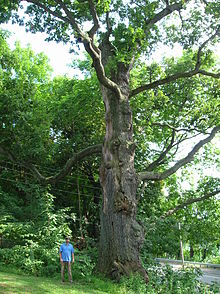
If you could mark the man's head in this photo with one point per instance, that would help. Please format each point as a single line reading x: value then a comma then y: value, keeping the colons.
x: 67, y: 239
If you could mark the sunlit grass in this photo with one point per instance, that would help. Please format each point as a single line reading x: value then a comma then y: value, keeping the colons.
x: 23, y: 284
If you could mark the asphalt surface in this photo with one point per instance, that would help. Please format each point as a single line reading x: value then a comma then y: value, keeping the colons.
x: 209, y: 275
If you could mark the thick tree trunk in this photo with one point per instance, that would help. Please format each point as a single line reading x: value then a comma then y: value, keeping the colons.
x: 121, y: 235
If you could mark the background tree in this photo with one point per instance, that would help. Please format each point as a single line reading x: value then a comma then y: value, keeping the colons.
x: 118, y: 35
x: 42, y: 121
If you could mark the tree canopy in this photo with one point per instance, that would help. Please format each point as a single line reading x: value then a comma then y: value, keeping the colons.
x: 153, y: 107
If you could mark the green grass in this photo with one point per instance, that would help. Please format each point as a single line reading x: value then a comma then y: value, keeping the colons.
x: 12, y: 282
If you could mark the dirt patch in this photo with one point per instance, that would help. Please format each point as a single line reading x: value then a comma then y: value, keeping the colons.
x: 2, y: 285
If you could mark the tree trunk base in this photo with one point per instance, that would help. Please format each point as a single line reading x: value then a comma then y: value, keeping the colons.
x: 127, y: 268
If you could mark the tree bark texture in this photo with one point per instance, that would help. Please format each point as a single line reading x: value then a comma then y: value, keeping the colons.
x: 121, y: 235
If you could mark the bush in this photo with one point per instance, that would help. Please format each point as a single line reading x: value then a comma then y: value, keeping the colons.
x: 165, y: 280
x: 38, y: 252
x: 134, y: 284
x: 35, y: 258
x: 215, y: 260
x: 32, y: 258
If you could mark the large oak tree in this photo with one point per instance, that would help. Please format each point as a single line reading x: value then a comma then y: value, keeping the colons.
x: 118, y: 36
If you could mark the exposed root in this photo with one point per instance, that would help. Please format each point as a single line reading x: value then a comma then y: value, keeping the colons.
x: 126, y: 269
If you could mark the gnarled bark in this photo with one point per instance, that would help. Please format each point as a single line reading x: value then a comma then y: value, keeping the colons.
x: 121, y: 235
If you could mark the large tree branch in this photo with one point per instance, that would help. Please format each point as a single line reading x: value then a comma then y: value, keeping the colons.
x: 47, y: 9
x: 163, y: 13
x: 172, y: 78
x: 108, y: 24
x: 189, y: 202
x: 90, y: 47
x: 161, y: 82
x: 99, y: 68
x: 180, y: 75
x: 209, y: 74
x: 87, y: 39
x: 163, y: 175
x: 95, y: 19
x: 166, y: 11
x: 211, y: 38
x: 72, y: 20
x: 162, y: 155
x: 163, y: 125
x: 96, y: 149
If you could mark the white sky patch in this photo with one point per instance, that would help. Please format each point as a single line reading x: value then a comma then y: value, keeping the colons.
x: 165, y: 51
x: 58, y: 53
x: 198, y: 169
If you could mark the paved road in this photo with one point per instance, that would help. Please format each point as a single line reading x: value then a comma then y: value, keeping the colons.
x: 209, y: 275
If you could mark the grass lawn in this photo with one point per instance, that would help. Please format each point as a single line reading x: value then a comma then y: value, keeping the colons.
x: 11, y: 282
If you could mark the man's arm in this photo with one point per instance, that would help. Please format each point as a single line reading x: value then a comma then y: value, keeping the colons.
x: 73, y: 260
x: 61, y: 257
x: 60, y: 253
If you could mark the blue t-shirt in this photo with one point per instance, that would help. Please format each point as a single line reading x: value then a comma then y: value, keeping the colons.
x: 66, y: 251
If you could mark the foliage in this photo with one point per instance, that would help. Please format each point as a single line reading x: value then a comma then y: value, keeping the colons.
x: 23, y: 98
x: 215, y: 260
x: 85, y: 262
x: 74, y: 127
x: 40, y: 241
x: 181, y: 109
x: 44, y: 123
x: 133, y: 284
x: 162, y: 238
x: 166, y: 280
x: 199, y: 221
x: 40, y: 116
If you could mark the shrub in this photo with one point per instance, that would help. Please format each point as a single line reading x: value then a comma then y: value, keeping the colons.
x: 84, y: 262
x: 38, y: 251
x: 166, y: 280
x: 134, y: 284
x: 215, y: 260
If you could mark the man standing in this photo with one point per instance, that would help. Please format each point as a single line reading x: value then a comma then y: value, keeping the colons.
x: 66, y: 256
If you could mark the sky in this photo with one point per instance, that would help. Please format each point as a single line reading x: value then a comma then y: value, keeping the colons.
x: 58, y: 53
